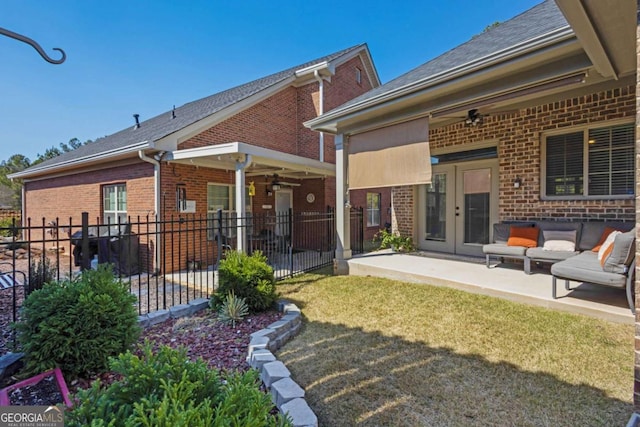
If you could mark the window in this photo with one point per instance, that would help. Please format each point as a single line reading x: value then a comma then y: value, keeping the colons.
x: 114, y: 204
x: 590, y: 163
x: 222, y: 197
x: 373, y: 209
x: 358, y: 75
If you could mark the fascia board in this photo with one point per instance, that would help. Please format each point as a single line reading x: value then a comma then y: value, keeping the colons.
x: 263, y: 156
x: 81, y: 161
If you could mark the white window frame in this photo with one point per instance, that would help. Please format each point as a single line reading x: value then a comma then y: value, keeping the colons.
x: 119, y: 214
x: 212, y: 210
x: 372, y: 209
x: 585, y: 169
x: 358, y: 75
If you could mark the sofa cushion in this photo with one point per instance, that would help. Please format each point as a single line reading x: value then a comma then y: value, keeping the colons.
x: 523, y: 236
x: 540, y: 254
x: 501, y: 233
x: 592, y: 232
x: 557, y: 226
x: 606, y: 247
x: 502, y: 249
x: 555, y: 240
x: 622, y: 254
x: 586, y: 268
x: 607, y: 231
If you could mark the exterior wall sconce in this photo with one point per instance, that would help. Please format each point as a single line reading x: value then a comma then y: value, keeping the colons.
x: 517, y: 183
x: 269, y: 193
x: 275, y: 187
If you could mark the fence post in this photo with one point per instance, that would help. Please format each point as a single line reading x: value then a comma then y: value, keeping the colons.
x: 86, y: 261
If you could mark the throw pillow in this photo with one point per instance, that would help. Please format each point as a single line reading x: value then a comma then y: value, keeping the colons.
x: 606, y: 247
x: 559, y: 240
x: 607, y: 230
x: 622, y: 253
x: 523, y: 236
x: 559, y: 245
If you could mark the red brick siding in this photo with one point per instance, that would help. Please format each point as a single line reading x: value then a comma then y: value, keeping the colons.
x: 520, y: 137
x: 358, y: 198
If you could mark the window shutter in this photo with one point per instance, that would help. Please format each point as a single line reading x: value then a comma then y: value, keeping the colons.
x: 564, y: 175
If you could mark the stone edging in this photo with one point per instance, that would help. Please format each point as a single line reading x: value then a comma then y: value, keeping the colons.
x: 286, y: 394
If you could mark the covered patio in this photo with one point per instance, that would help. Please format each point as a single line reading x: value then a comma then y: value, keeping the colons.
x: 507, y: 281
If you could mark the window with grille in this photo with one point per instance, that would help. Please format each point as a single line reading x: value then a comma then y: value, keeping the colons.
x: 590, y: 163
x: 114, y: 205
x: 222, y: 197
x: 373, y: 209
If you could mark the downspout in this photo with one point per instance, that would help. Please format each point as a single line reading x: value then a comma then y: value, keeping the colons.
x: 320, y: 80
x: 156, y: 203
x: 241, y: 231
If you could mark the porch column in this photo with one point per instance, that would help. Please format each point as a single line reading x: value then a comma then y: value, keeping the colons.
x: 241, y: 212
x: 636, y: 385
x: 343, y: 209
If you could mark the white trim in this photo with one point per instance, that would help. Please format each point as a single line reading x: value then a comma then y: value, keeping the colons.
x: 262, y: 156
x: 104, y: 155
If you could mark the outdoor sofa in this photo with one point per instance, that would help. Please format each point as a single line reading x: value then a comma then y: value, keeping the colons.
x: 575, y: 250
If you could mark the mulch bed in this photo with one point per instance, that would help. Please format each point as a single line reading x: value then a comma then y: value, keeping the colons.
x: 222, y: 346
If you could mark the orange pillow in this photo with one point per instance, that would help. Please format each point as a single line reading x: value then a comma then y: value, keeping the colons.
x: 607, y: 230
x: 523, y: 236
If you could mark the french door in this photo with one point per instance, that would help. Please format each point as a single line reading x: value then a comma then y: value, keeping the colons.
x: 456, y: 211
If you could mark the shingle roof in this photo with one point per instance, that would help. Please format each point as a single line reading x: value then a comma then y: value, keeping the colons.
x: 162, y: 125
x: 537, y: 21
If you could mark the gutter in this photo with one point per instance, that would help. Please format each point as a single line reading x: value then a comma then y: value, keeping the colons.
x: 79, y: 161
x: 527, y: 46
x: 320, y: 80
x: 156, y: 191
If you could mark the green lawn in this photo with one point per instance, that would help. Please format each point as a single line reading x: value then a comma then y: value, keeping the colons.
x: 376, y: 352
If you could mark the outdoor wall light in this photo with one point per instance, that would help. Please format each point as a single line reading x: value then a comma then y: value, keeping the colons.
x: 275, y: 187
x: 517, y: 182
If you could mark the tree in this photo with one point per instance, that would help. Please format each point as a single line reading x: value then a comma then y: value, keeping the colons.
x: 15, y: 163
x: 18, y: 162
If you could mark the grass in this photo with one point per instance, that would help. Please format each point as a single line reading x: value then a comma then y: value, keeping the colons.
x: 377, y: 352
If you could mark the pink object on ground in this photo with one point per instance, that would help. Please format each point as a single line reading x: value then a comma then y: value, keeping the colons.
x: 57, y: 373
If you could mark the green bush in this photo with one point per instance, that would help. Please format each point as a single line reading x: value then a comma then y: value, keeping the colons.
x: 78, y: 324
x: 7, y: 228
x: 394, y: 241
x: 248, y: 277
x: 166, y: 389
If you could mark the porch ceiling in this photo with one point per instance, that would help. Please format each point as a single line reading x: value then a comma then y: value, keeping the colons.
x: 607, y: 32
x: 264, y: 162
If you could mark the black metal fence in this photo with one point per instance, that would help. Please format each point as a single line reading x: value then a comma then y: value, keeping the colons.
x: 164, y: 262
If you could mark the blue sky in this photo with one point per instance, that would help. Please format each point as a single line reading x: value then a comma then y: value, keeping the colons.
x: 145, y: 56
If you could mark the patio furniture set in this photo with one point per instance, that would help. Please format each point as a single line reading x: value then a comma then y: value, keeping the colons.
x: 600, y: 253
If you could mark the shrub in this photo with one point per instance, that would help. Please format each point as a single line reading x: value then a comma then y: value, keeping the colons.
x: 9, y: 227
x: 166, y: 389
x: 248, y: 277
x: 394, y: 241
x: 77, y: 324
x: 233, y: 309
x: 40, y: 272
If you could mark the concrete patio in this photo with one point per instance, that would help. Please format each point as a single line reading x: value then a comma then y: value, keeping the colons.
x: 505, y: 280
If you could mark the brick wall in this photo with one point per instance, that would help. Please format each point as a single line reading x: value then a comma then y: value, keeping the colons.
x: 519, y: 137
x: 358, y: 198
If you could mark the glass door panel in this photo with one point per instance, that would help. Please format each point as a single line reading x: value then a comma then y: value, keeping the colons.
x: 436, y: 208
x: 477, y: 198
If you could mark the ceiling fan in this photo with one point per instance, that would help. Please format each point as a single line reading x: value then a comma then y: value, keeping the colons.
x: 475, y: 118
x: 278, y: 183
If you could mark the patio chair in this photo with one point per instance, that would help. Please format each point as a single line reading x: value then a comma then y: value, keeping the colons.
x: 7, y: 278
